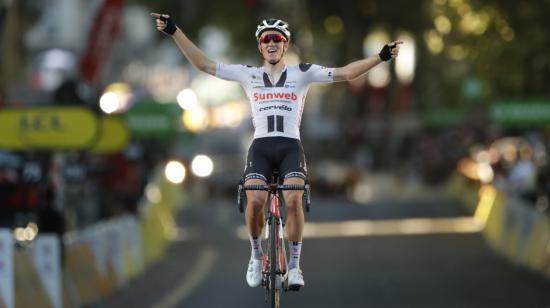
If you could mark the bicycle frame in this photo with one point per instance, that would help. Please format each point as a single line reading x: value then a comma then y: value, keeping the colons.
x: 274, y: 205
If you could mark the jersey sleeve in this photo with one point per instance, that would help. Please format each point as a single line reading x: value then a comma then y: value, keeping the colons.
x: 231, y: 72
x: 316, y: 73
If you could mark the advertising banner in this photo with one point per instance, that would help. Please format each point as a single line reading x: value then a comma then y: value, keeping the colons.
x: 526, y: 113
x: 105, y: 28
x: 47, y: 260
x: 47, y: 128
x: 153, y: 120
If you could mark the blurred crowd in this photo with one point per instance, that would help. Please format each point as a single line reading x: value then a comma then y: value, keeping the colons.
x: 61, y: 191
x: 515, y: 161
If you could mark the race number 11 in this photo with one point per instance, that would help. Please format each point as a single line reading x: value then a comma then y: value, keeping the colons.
x: 272, y: 124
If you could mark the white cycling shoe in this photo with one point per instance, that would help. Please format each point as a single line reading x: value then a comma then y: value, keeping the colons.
x: 254, y: 272
x: 295, y: 279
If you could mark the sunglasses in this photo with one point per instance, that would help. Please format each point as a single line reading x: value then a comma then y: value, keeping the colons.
x: 275, y: 37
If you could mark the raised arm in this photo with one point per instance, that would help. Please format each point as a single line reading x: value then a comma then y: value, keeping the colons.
x: 360, y: 67
x: 193, y: 54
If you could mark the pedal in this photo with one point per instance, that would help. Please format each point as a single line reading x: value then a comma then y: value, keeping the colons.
x: 294, y: 288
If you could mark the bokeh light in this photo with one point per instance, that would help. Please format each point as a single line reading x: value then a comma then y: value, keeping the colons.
x: 202, y: 166
x: 187, y: 99
x: 175, y: 172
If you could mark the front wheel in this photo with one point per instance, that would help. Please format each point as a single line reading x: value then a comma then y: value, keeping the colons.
x: 274, y: 289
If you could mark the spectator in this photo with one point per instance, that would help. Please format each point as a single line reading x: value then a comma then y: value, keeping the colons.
x: 50, y: 219
x: 9, y: 196
x: 523, y: 175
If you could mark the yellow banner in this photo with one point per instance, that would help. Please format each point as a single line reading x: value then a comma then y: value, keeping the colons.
x: 113, y: 137
x: 8, y: 138
x: 47, y: 128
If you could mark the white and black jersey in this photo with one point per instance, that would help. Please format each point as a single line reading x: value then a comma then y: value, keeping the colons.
x: 276, y: 105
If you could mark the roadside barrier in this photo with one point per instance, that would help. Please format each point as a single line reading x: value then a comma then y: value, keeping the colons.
x: 46, y: 257
x: 29, y: 290
x: 98, y: 260
x: 513, y: 227
x: 7, y: 299
x: 82, y: 273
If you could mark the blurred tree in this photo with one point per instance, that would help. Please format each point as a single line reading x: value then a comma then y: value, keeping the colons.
x: 10, y: 42
x: 524, y: 32
x: 500, y: 43
x: 503, y: 44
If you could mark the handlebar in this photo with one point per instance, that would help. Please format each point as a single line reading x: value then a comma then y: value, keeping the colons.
x: 273, y: 188
x: 276, y: 187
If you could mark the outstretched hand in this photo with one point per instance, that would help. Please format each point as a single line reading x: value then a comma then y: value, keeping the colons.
x: 390, y: 50
x: 165, y: 23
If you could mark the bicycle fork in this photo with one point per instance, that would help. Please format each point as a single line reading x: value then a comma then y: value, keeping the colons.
x: 279, y: 226
x: 275, y: 220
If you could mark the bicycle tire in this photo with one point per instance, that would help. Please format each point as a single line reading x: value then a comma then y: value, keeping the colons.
x: 274, y: 291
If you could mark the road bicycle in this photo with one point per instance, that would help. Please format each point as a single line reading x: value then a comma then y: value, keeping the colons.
x: 275, y: 261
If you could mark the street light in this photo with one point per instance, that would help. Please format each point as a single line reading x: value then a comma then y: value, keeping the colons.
x: 187, y: 99
x: 405, y: 64
x: 202, y: 166
x: 175, y: 172
x: 116, y: 98
x: 378, y: 76
x: 195, y: 119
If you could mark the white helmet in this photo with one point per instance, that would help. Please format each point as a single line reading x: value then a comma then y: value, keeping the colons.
x: 273, y: 24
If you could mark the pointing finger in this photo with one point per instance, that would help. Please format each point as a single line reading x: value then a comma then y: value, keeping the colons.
x: 159, y: 16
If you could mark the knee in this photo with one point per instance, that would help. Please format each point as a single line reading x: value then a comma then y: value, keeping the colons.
x: 292, y: 202
x: 256, y: 203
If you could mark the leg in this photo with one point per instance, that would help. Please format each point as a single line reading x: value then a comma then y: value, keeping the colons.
x: 294, y: 166
x: 254, y: 217
x: 254, y: 213
x: 293, y: 170
x: 295, y: 213
x: 294, y: 229
x: 256, y: 173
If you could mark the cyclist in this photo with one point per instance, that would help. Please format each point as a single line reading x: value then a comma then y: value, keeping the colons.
x: 277, y: 94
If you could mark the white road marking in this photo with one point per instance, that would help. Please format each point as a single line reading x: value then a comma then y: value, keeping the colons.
x: 405, y: 226
x: 201, y: 268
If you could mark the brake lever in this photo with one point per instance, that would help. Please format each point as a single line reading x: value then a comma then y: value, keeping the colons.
x: 240, y: 197
x: 308, y: 197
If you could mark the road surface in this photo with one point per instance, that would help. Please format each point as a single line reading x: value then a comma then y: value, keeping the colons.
x: 389, y: 253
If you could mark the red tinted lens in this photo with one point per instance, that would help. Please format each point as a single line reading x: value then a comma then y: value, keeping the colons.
x: 275, y: 37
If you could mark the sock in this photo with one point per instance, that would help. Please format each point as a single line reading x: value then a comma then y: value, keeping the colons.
x: 295, y: 249
x: 256, y: 244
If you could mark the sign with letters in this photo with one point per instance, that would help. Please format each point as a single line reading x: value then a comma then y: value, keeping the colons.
x: 58, y: 128
x: 47, y: 128
x: 152, y: 120
x: 521, y: 113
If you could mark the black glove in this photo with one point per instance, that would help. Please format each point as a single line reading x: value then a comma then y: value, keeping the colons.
x: 385, y: 53
x: 171, y: 27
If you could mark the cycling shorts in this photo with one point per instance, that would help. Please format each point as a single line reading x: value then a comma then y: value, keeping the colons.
x: 270, y: 154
